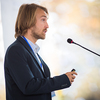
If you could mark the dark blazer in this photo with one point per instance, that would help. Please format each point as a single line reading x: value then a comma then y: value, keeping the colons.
x: 24, y: 78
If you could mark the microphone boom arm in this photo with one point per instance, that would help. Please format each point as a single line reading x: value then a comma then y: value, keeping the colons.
x: 86, y: 48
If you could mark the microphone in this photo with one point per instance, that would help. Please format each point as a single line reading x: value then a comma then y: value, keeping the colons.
x: 71, y: 41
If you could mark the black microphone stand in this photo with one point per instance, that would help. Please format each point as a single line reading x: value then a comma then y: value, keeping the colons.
x: 86, y: 48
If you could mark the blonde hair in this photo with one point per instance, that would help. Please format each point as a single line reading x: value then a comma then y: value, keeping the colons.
x: 26, y: 18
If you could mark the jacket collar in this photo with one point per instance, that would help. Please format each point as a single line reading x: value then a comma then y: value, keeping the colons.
x: 25, y: 44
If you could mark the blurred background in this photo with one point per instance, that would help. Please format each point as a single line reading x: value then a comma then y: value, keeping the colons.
x: 76, y: 19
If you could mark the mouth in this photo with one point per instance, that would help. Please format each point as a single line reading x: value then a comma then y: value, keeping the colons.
x: 45, y: 31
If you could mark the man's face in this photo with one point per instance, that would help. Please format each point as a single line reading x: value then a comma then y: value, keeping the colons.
x: 39, y: 30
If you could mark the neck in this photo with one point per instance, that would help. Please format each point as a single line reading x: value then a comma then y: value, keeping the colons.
x: 30, y: 37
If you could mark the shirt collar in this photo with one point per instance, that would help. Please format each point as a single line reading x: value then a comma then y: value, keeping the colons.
x: 35, y: 47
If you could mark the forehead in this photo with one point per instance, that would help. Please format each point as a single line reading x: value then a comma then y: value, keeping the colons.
x: 40, y: 13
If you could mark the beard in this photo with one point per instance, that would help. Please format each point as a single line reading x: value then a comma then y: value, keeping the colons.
x: 38, y: 34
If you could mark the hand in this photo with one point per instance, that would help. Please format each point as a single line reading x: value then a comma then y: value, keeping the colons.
x: 71, y: 76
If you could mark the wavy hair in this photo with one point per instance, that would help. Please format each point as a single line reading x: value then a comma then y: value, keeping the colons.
x: 26, y: 18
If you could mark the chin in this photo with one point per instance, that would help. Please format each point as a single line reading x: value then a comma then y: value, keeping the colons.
x: 42, y: 38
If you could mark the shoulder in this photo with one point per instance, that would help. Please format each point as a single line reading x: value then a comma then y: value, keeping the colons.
x: 15, y: 48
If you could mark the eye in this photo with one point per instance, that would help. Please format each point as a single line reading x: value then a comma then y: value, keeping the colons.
x: 43, y: 19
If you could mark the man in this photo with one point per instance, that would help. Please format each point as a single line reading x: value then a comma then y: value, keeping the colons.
x: 27, y: 76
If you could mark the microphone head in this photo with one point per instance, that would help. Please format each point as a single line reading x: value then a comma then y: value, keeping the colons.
x: 70, y: 40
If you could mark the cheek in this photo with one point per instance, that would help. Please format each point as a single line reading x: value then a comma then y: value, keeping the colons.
x: 40, y: 24
x: 40, y: 27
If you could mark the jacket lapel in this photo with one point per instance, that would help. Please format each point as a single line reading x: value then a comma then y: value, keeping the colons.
x: 25, y: 44
x: 45, y: 67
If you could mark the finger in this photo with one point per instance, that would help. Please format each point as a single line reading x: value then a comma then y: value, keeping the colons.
x: 72, y: 80
x: 73, y: 77
x: 74, y: 73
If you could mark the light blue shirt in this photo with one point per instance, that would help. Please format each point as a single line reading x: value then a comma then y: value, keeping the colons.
x: 36, y: 49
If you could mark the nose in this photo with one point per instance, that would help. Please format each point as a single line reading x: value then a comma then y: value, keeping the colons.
x: 47, y: 26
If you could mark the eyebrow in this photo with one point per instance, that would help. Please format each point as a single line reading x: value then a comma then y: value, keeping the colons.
x: 44, y: 16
